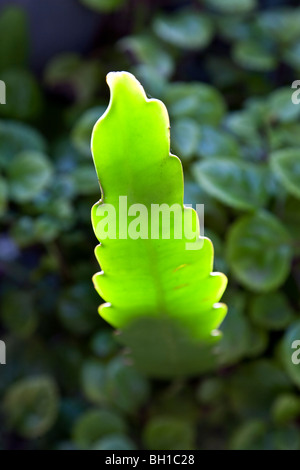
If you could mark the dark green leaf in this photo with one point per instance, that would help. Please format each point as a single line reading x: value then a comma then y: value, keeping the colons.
x: 271, y: 311
x: 214, y: 142
x: 23, y: 95
x: 235, y: 183
x: 146, y: 50
x: 29, y: 173
x: 185, y: 134
x: 249, y: 391
x: 81, y: 133
x: 126, y: 389
x: 259, y: 251
x: 280, y: 24
x: 169, y: 433
x: 85, y: 180
x: 196, y: 100
x: 286, y: 165
x: 13, y: 38
x: 31, y: 406
x: 77, y: 78
x: 235, y: 332
x: 105, y: 6
x: 252, y: 55
x: 286, y: 408
x: 186, y: 29
x: 19, y: 313
x: 93, y: 379
x: 96, y: 424
x: 16, y: 137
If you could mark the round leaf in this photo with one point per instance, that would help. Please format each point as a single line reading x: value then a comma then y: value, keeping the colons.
x: 280, y: 24
x: 214, y: 142
x: 16, y: 137
x: 85, y: 179
x: 23, y: 96
x: 259, y: 251
x: 184, y: 135
x: 169, y: 433
x: 93, y: 378
x: 249, y: 436
x: 286, y: 165
x: 235, y: 332
x: 76, y: 308
x: 96, y: 424
x: 196, y: 100
x: 253, y: 55
x: 280, y: 106
x: 22, y: 231
x: 13, y: 37
x: 125, y: 387
x: 271, y: 311
x: 286, y: 408
x: 31, y: 406
x: 237, y: 184
x: 148, y: 51
x: 18, y: 313
x: 186, y: 29
x: 46, y: 228
x: 103, y: 344
x: 292, y: 55
x: 254, y: 387
x: 29, y: 173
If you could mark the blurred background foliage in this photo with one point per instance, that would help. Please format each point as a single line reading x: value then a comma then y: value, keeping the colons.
x: 224, y: 69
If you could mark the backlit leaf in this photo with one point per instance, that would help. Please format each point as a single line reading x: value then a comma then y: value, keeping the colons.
x: 179, y: 284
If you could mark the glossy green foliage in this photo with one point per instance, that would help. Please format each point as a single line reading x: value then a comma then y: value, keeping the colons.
x: 14, y: 43
x: 255, y: 265
x: 169, y: 432
x: 146, y: 275
x: 286, y: 165
x: 236, y: 184
x: 32, y: 405
x: 185, y: 29
x: 232, y: 6
x: 95, y: 424
x: 114, y: 385
x: 160, y: 348
x: 271, y: 311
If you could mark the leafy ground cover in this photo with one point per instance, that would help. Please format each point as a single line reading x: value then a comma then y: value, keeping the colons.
x: 224, y: 71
